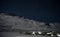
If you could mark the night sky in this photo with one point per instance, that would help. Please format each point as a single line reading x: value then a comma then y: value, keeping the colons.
x: 39, y: 10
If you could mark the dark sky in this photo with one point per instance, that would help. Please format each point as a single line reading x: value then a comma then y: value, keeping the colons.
x: 39, y: 10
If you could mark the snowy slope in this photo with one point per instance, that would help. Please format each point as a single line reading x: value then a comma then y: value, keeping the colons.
x: 16, y: 22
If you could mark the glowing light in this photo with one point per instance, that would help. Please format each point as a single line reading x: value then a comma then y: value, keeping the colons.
x: 33, y: 33
x: 39, y: 32
x: 52, y: 35
x: 49, y: 33
x: 58, y: 35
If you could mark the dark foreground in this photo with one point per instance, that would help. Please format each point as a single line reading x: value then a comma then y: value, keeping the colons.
x: 14, y: 34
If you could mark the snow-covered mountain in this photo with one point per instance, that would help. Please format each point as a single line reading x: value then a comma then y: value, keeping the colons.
x: 16, y: 22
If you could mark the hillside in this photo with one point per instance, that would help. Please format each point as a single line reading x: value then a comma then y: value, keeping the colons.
x: 16, y: 22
